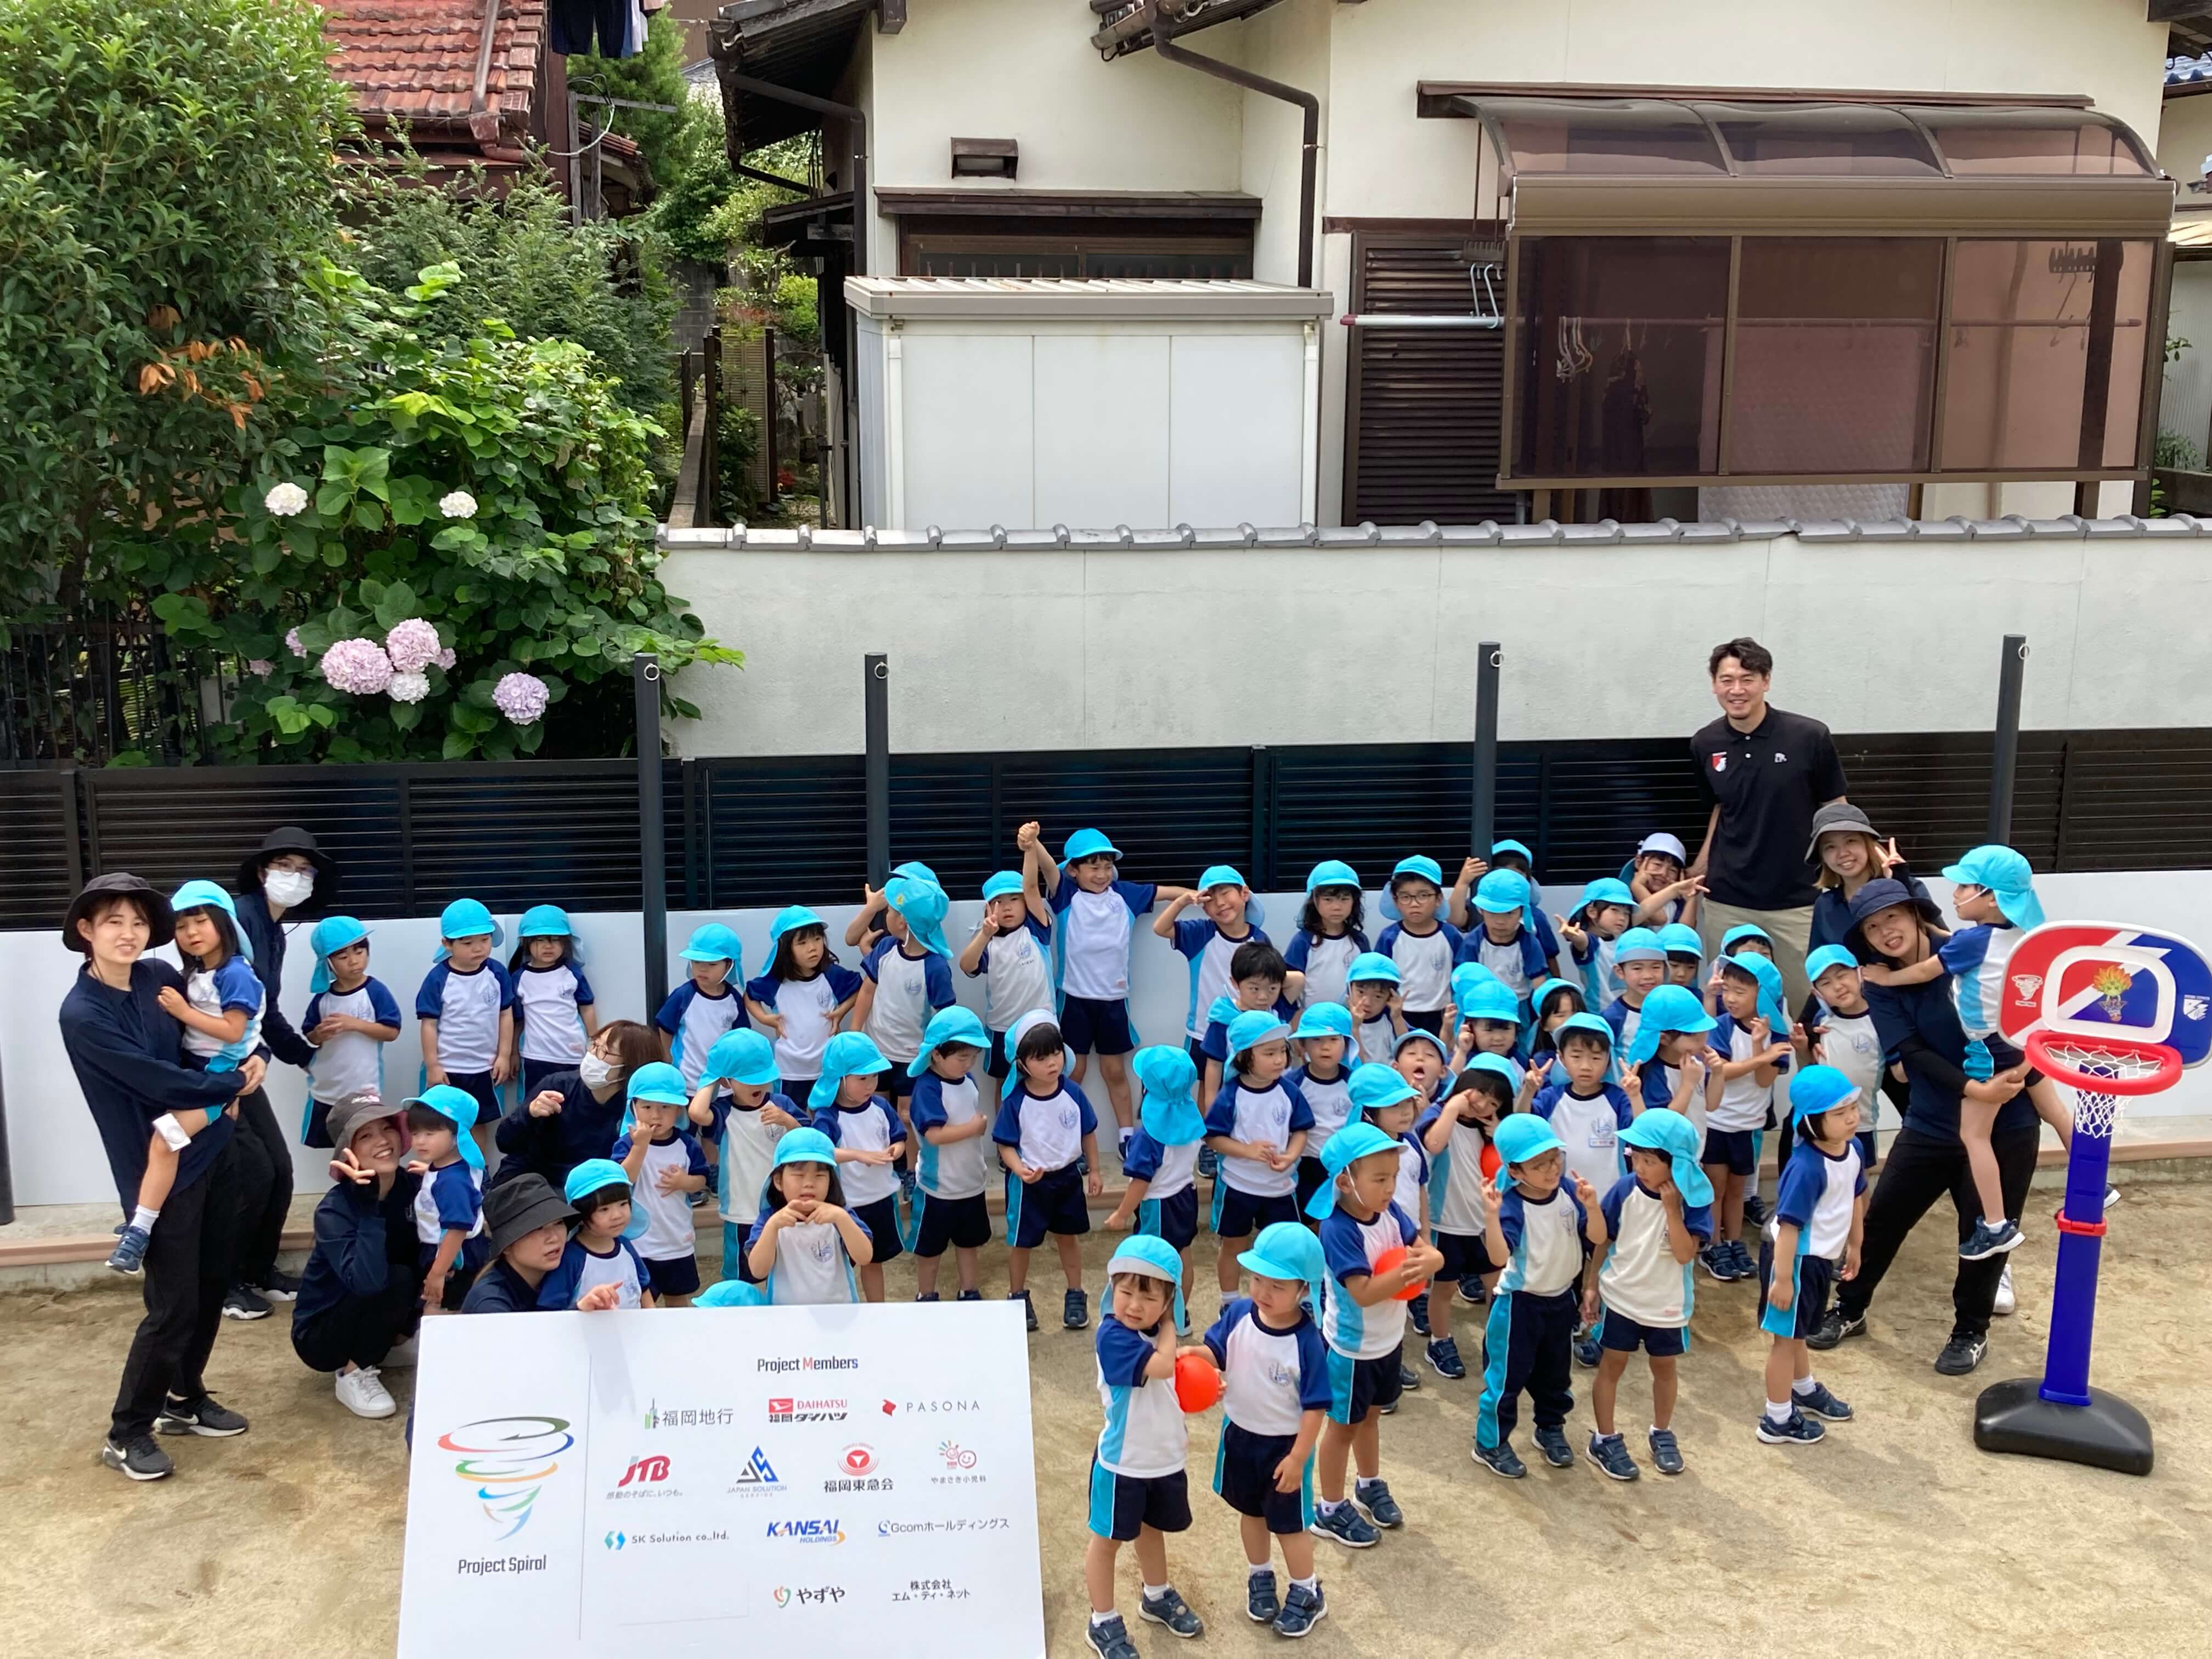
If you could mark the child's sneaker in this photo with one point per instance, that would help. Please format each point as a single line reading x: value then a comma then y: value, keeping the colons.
x: 1345, y: 1525
x: 971, y: 1296
x: 1741, y: 1255
x: 1373, y: 1499
x: 2006, y: 1301
x: 1821, y: 1403
x: 1470, y: 1292
x: 1110, y: 1638
x: 927, y: 1296
x: 1610, y: 1453
x: 1665, y: 1455
x: 1586, y: 1351
x: 1261, y: 1604
x: 1552, y: 1443
x: 1987, y: 1240
x: 1417, y: 1311
x: 1443, y: 1359
x: 1754, y: 1210
x: 1209, y: 1161
x: 1799, y: 1431
x: 906, y: 1185
x: 1407, y: 1379
x: 1302, y: 1609
x: 1171, y: 1610
x: 1075, y: 1314
x: 1716, y: 1260
x: 1500, y: 1459
x: 129, y: 1255
x: 1029, y: 1307
x: 699, y: 1200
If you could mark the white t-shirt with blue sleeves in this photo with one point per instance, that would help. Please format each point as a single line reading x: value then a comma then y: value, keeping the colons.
x: 1414, y: 1174
x: 1327, y: 964
x: 1094, y: 936
x: 693, y: 1020
x: 348, y: 1061
x: 812, y: 1267
x: 1544, y: 1241
x: 908, y: 990
x: 232, y: 984
x: 1270, y: 1378
x: 1166, y: 1170
x: 1817, y: 1194
x: 449, y: 1197
x: 1745, y: 1100
x: 1047, y: 1133
x: 622, y: 1267
x: 871, y: 1126
x: 1143, y: 1436
x: 1639, y: 1277
x: 1425, y: 964
x: 804, y: 1007
x: 1268, y: 1117
x: 669, y: 1234
x: 467, y: 1007
x: 1976, y: 958
x: 959, y: 1171
x: 1016, y: 969
x: 1328, y: 1099
x: 1350, y: 1247
x: 1589, y: 1127
x: 552, y: 1000
x: 749, y: 1144
x: 1210, y: 950
x: 1455, y: 1177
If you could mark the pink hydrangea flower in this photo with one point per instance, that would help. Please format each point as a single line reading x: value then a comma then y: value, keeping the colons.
x: 357, y: 665
x: 412, y: 646
x: 521, y: 697
x: 292, y: 640
x: 445, y: 659
x: 260, y: 667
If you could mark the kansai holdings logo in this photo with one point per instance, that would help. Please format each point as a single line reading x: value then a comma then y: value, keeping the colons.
x: 807, y: 1531
x: 806, y: 1411
x: 509, y: 1460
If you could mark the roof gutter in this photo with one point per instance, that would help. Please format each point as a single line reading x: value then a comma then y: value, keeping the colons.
x: 1163, y: 43
x: 850, y: 112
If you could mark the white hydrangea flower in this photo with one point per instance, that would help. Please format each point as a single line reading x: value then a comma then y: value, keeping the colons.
x: 285, y: 500
x: 459, y: 504
x: 408, y: 688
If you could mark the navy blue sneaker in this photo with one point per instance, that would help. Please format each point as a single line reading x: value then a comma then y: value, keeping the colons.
x: 1029, y: 1307
x: 1799, y: 1431
x: 1075, y: 1314
x: 1610, y: 1453
x: 971, y: 1296
x: 1417, y: 1311
x: 1986, y: 1241
x: 1552, y: 1443
x: 1821, y: 1403
x: 129, y: 1255
x: 1407, y: 1379
x: 1209, y: 1161
x: 1500, y: 1459
x: 1442, y: 1356
x: 1261, y: 1604
x: 1172, y: 1611
x: 1302, y: 1609
x: 1739, y: 1254
x: 1716, y: 1260
x: 1373, y: 1498
x: 1346, y: 1525
x: 1470, y: 1292
x: 1754, y: 1210
x: 1110, y: 1638
x: 1586, y: 1351
x: 927, y: 1296
x: 1665, y: 1455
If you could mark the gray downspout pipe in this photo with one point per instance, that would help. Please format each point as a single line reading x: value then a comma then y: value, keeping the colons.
x: 1163, y: 43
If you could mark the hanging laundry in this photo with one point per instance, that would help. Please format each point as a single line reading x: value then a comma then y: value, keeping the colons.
x: 619, y: 26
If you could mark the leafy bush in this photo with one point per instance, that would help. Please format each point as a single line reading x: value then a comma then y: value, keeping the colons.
x: 2176, y: 451
x: 736, y: 442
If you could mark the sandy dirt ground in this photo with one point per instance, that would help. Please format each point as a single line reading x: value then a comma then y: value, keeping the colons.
x: 1894, y: 1536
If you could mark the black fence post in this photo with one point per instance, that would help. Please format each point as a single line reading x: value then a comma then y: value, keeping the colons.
x: 7, y: 1173
x: 652, y: 829
x: 876, y: 717
x: 2004, y: 760
x: 1487, y: 656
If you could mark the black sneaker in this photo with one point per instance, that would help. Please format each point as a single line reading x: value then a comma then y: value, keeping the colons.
x: 274, y: 1286
x: 138, y: 1457
x: 1552, y: 1443
x: 129, y: 1255
x: 1836, y: 1327
x: 1109, y: 1639
x: 1261, y: 1604
x: 1610, y: 1453
x: 1500, y: 1459
x: 971, y: 1296
x: 1665, y: 1455
x: 1302, y: 1609
x: 1029, y: 1307
x: 700, y: 1200
x: 1209, y: 1161
x: 242, y: 1304
x: 927, y: 1296
x: 1172, y: 1611
x: 1075, y: 1314
x: 1372, y: 1498
x: 1987, y: 1240
x: 201, y: 1417
x: 1961, y: 1354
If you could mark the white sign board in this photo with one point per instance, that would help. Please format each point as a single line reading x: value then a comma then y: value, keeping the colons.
x: 723, y: 1480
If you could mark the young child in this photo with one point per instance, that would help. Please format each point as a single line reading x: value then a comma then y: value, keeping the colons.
x: 1670, y: 1059
x: 1457, y: 1137
x: 1656, y: 880
x: 1551, y: 1004
x: 1379, y: 1005
x: 1257, y: 1126
x: 1422, y: 1059
x: 220, y: 1009
x: 558, y: 1020
x: 1332, y: 932
x: 1686, y: 954
x: 465, y: 1012
x: 1489, y: 1012
x: 1423, y: 946
x: 1820, y: 1218
x: 706, y: 1005
x: 1096, y: 912
x: 1641, y: 961
x: 1275, y: 1395
x: 805, y: 1246
x: 1011, y: 952
x: 1323, y: 1076
x: 665, y: 1165
x: 1513, y: 857
x: 1161, y: 1198
x: 600, y: 1251
x: 1045, y: 1125
x: 1256, y: 982
x: 1502, y: 939
x: 952, y: 1123
x: 1543, y: 1231
x: 449, y: 1225
x: 1653, y: 1217
x: 1600, y: 917
x: 1752, y: 1038
x: 1363, y: 1318
x: 867, y: 1132
x: 737, y: 1104
x: 350, y: 1018
x: 864, y: 930
x: 1839, y: 1032
x: 801, y: 998
x: 1393, y: 1098
x: 1209, y: 941
x: 1587, y: 1111
x: 908, y: 978
x: 1994, y: 893
x: 1139, y: 1491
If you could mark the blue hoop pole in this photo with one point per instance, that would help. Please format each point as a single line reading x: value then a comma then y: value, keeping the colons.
x: 2073, y: 1297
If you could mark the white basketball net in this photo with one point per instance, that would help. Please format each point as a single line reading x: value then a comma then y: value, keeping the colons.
x: 2094, y: 1114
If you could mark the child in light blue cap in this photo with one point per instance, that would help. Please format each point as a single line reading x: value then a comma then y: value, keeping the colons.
x: 1653, y: 1215
x: 1820, y: 1220
x: 557, y: 1018
x: 1231, y: 917
x: 1256, y: 1124
x: 1375, y: 992
x: 1161, y: 1196
x: 731, y: 1294
x: 707, y: 1004
x: 1752, y: 1038
x: 1489, y: 1018
x: 600, y: 1251
x: 951, y: 1126
x: 1601, y: 916
x: 1332, y: 930
x: 1512, y: 857
x: 801, y: 997
x: 1994, y: 895
x: 465, y: 1012
x: 1321, y: 1040
x: 1640, y: 960
x: 1686, y: 954
x: 1839, y: 1031
x: 1422, y: 945
x: 449, y: 1228
x: 854, y: 1114
x: 1010, y: 952
x: 351, y: 1017
x: 1501, y: 939
x: 1457, y: 1135
x: 1668, y: 1063
x: 1587, y: 1109
x: 1047, y: 1140
x: 906, y: 977
x: 806, y: 1244
x: 737, y: 1107
x: 666, y: 1166
x: 1551, y: 1004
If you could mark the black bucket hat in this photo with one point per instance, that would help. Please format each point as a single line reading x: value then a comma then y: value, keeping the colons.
x: 1882, y: 894
x: 521, y: 1206
x: 291, y: 838
x: 161, y: 921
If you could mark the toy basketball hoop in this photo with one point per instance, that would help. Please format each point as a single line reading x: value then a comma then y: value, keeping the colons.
x: 2112, y: 1012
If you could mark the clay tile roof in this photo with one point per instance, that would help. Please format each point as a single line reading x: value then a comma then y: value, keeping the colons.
x: 417, y: 59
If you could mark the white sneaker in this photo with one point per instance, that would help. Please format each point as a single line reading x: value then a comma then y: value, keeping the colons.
x: 361, y: 1393
x: 2004, y: 1303
x: 403, y: 1356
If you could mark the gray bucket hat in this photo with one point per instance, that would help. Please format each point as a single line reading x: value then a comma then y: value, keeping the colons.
x: 1838, y: 815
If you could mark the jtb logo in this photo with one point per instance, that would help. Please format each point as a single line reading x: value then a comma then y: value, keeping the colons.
x: 647, y: 1470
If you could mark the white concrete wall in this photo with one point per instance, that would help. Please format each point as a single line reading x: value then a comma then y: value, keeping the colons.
x: 56, y: 1154
x: 1110, y: 647
x: 2184, y: 139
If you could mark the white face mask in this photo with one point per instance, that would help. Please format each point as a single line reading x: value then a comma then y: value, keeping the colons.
x: 289, y: 887
x: 596, y: 1073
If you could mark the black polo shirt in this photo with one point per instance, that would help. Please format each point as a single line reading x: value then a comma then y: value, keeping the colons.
x: 1767, y: 782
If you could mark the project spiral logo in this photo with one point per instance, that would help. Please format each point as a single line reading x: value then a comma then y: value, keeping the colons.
x: 509, y: 1460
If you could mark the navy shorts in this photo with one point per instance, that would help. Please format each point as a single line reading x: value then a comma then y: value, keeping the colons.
x: 485, y: 1092
x: 1174, y: 1217
x: 1244, y: 1474
x: 881, y: 1219
x: 677, y: 1276
x: 1089, y: 1025
x: 1734, y: 1148
x: 1052, y: 1203
x: 1465, y: 1257
x: 1000, y: 1062
x: 535, y: 1072
x: 315, y: 1125
x: 1816, y: 1278
x: 1311, y: 1177
x: 1122, y: 1503
x: 799, y: 1091
x: 2002, y: 1058
x: 735, y: 1263
x: 1431, y: 1020
x: 963, y: 1223
x: 1356, y: 1386
x: 1622, y: 1334
x: 895, y: 1084
x: 1239, y: 1214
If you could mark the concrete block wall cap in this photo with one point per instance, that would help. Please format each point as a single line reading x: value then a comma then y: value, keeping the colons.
x: 1645, y: 535
x: 2181, y: 524
x: 1748, y: 530
x: 2105, y: 529
x: 2068, y: 529
x: 1432, y: 533
x: 1545, y: 534
x: 1604, y: 533
x: 1032, y: 541
x: 1942, y: 530
x: 1826, y: 530
x: 1883, y: 530
x: 1704, y: 533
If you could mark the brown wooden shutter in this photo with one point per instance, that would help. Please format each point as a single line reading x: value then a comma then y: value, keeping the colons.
x: 1427, y: 404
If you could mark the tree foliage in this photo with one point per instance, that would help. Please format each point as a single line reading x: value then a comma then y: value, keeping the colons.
x: 655, y: 76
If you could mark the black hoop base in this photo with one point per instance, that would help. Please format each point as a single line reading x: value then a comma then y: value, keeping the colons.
x: 2107, y: 1433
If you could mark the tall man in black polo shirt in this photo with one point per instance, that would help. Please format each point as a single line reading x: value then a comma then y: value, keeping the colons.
x: 1765, y: 773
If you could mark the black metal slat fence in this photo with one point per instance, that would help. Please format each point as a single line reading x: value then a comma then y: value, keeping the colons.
x: 741, y: 833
